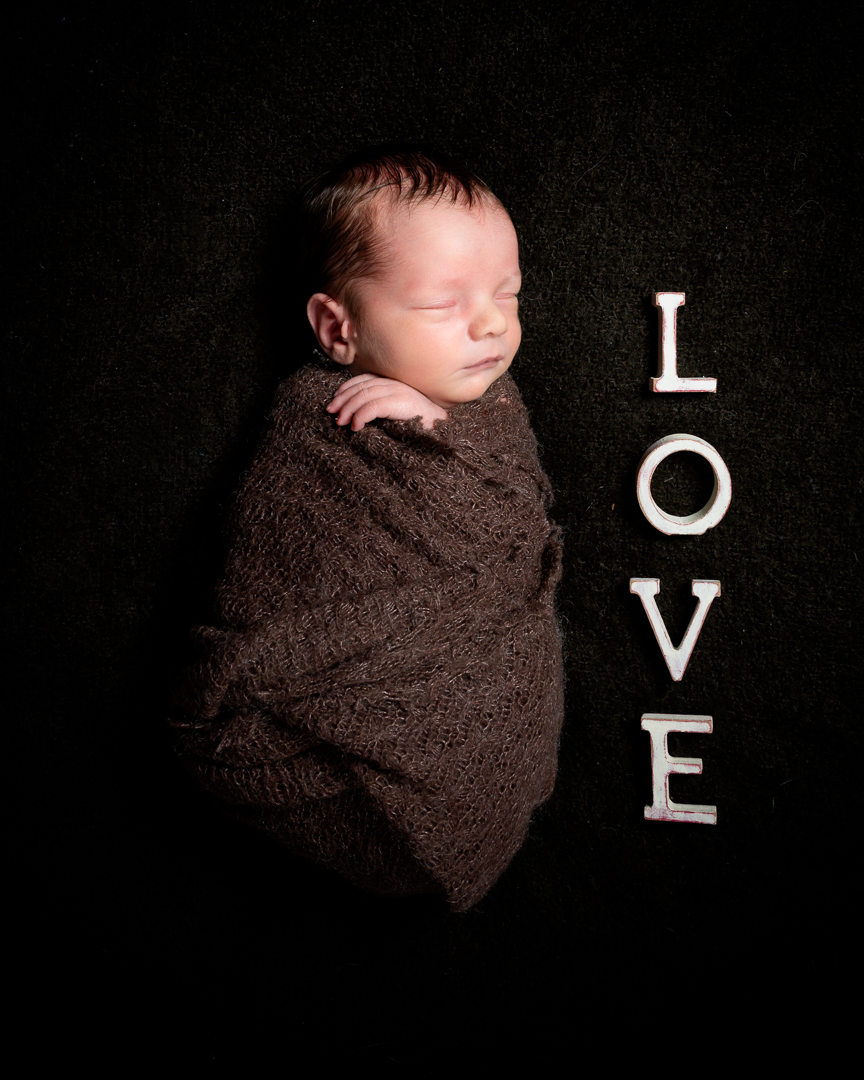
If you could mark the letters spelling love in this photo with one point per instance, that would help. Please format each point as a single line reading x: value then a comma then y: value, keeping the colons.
x: 658, y: 725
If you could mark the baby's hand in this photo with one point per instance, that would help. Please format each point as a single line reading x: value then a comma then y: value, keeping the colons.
x: 372, y: 397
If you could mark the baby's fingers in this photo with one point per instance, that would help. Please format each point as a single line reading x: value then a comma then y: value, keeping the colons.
x: 358, y: 407
x: 347, y: 390
x: 367, y: 397
x: 362, y: 413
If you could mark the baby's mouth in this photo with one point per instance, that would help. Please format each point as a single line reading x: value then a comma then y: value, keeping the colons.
x: 490, y: 361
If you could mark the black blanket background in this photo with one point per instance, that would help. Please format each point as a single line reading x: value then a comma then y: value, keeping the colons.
x: 712, y: 149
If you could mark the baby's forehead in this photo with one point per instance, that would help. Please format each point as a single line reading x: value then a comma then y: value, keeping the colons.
x: 432, y: 244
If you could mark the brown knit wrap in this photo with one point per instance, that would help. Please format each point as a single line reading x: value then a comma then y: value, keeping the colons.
x: 383, y: 688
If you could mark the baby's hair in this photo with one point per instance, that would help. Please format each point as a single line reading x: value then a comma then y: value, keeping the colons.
x: 338, y: 222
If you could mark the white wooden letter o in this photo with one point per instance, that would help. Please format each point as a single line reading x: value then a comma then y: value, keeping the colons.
x: 710, y: 514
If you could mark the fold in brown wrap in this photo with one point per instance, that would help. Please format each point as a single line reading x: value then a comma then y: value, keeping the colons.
x: 382, y: 690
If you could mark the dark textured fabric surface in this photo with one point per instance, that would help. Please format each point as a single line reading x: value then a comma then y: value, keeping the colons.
x: 709, y: 148
x: 382, y: 690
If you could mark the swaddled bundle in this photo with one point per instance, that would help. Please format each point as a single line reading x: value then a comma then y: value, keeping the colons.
x: 382, y: 690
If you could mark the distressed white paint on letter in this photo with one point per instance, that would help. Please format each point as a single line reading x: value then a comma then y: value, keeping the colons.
x: 676, y: 659
x: 667, y: 381
x: 658, y: 726
x: 690, y: 524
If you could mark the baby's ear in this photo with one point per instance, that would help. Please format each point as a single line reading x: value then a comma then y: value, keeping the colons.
x: 332, y: 326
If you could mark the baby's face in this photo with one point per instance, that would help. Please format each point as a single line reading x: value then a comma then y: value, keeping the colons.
x: 442, y: 316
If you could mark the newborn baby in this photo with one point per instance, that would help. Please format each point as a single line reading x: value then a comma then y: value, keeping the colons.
x: 382, y: 688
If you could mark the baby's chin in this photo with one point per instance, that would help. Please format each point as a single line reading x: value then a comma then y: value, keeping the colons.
x: 476, y: 386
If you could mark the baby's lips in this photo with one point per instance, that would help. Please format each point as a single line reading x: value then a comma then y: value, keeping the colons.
x: 483, y: 362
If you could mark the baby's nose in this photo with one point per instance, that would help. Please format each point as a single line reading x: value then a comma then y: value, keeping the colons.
x: 489, y: 321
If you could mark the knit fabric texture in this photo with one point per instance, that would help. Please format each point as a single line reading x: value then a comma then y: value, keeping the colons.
x: 382, y: 688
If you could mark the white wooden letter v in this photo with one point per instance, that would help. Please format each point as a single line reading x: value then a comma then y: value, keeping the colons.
x: 676, y: 659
